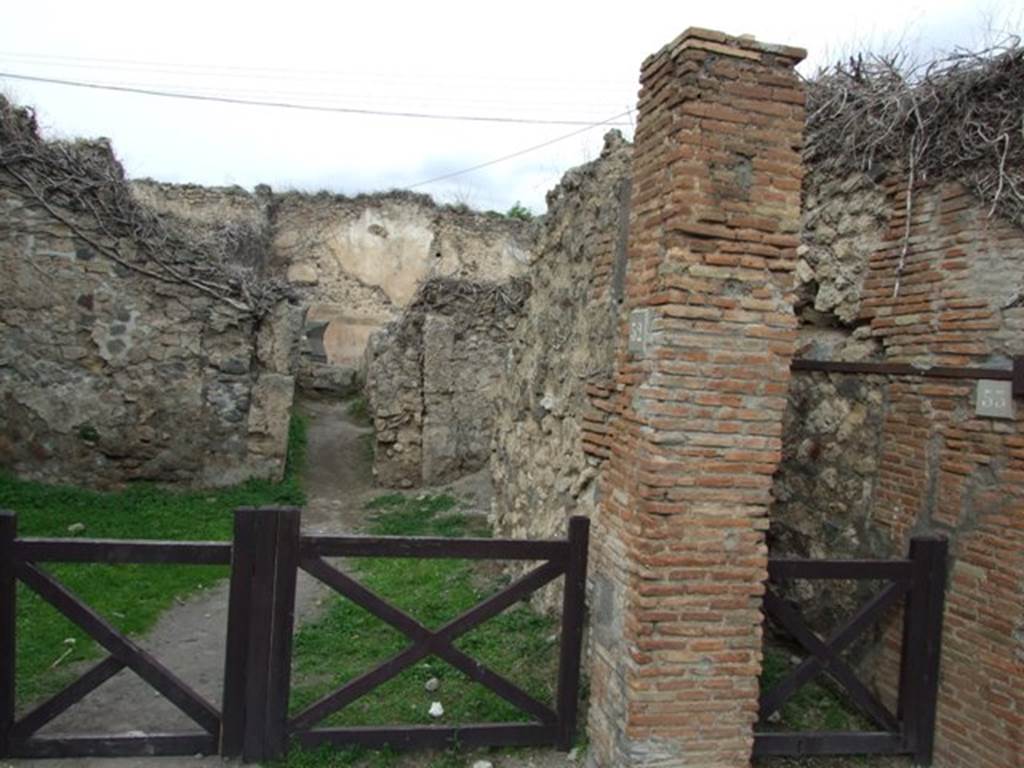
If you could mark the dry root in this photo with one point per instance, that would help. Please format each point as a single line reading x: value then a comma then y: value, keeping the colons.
x: 83, y: 186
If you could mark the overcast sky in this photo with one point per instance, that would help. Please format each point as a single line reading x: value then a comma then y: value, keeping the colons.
x: 551, y: 61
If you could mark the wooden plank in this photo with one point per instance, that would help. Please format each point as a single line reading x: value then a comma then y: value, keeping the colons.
x: 430, y: 641
x: 157, y: 744
x: 8, y: 626
x: 573, y: 608
x: 355, y: 688
x: 779, y: 610
x: 286, y: 568
x: 931, y: 554
x: 465, y: 549
x: 236, y: 651
x: 383, y: 610
x: 124, y: 551
x: 383, y: 672
x: 910, y: 655
x: 119, y: 646
x: 67, y: 698
x: 780, y: 568
x: 495, y: 604
x: 827, y: 743
x: 437, y: 737
x: 804, y: 672
x: 260, y: 632
x: 901, y: 369
x: 366, y: 598
x: 509, y: 691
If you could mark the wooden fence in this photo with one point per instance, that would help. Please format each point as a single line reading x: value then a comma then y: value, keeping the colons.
x: 265, y: 556
x: 920, y: 583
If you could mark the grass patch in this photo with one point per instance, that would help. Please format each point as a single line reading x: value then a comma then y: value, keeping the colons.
x: 359, y: 409
x: 347, y: 641
x: 131, y: 597
x: 815, y: 707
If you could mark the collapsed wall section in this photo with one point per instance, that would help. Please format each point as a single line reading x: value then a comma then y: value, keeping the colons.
x: 357, y: 264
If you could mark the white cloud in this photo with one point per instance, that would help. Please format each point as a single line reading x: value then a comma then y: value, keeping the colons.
x: 547, y: 60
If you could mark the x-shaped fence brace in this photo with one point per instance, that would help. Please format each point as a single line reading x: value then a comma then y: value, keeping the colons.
x: 426, y: 642
x: 265, y: 554
x: 825, y: 655
x: 123, y: 653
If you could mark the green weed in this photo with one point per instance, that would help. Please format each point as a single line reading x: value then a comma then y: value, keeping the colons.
x: 519, y: 211
x: 815, y: 707
x: 359, y: 409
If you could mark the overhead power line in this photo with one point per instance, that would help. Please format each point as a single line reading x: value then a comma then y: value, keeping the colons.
x: 442, y: 177
x: 307, y: 107
x: 305, y: 74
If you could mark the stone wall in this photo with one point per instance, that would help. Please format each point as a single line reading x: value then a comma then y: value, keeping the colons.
x: 867, y: 461
x: 433, y: 376
x: 870, y: 461
x: 355, y: 263
x: 824, y: 490
x: 550, y: 437
x: 110, y: 369
x: 209, y: 205
x: 702, y: 366
x: 106, y: 351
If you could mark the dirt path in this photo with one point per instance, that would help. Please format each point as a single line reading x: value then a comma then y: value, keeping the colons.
x: 189, y: 639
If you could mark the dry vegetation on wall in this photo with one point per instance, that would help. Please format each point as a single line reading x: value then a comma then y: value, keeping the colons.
x: 446, y: 295
x: 81, y: 184
x: 958, y: 118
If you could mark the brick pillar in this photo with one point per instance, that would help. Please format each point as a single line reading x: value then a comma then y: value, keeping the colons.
x: 703, y: 365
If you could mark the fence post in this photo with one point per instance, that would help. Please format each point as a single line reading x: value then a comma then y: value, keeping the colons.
x: 236, y: 653
x: 8, y: 627
x: 573, y: 606
x: 922, y: 646
x: 260, y: 631
x: 286, y: 566
x: 261, y: 614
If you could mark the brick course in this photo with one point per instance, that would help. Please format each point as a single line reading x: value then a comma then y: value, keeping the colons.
x: 947, y: 471
x: 679, y: 552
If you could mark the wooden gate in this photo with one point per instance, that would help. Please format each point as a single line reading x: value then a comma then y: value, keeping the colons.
x: 920, y: 582
x: 265, y: 556
x: 21, y: 560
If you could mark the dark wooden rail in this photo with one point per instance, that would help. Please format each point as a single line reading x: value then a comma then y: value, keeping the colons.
x: 920, y: 583
x: 265, y: 556
x: 123, y: 551
x: 465, y: 549
x: 19, y: 559
x: 1014, y: 374
x: 258, y: 728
